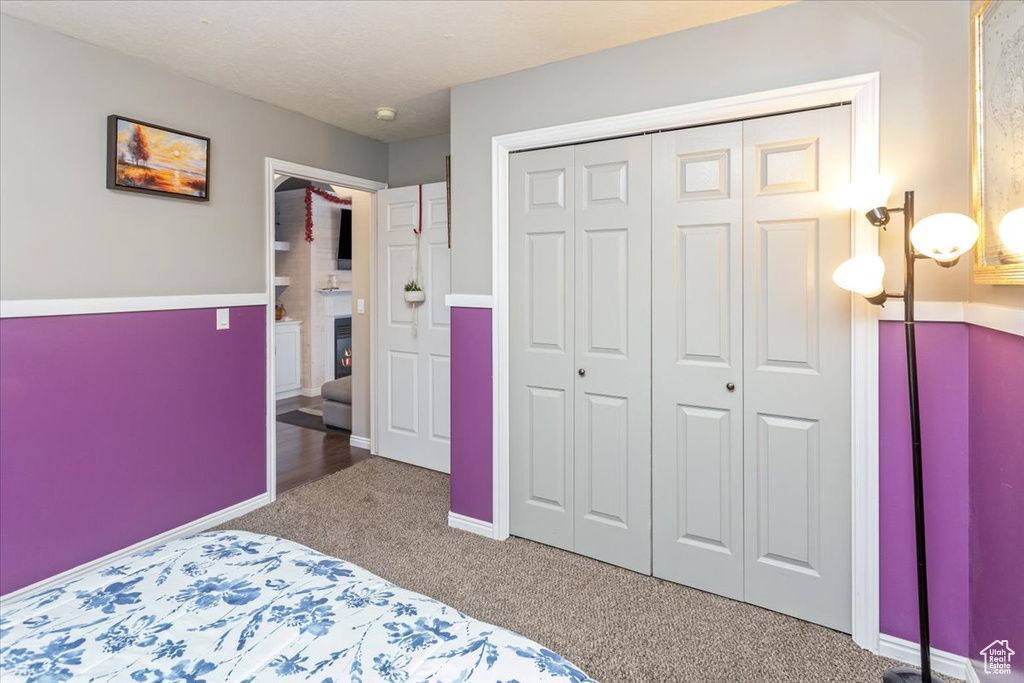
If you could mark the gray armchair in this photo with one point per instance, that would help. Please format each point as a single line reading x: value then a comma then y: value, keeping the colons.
x: 337, y: 395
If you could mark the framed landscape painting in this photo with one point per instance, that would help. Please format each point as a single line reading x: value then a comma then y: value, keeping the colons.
x: 143, y: 157
x: 997, y: 139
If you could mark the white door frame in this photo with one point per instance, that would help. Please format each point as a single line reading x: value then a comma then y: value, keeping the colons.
x: 862, y: 92
x: 277, y: 166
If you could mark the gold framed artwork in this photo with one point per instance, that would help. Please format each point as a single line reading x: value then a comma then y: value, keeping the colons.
x: 997, y: 139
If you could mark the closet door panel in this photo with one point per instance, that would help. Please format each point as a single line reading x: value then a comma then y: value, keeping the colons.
x: 697, y: 350
x: 541, y: 345
x: 612, y: 348
x: 797, y: 366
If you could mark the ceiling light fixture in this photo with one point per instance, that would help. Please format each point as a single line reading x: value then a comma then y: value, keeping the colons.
x: 386, y: 114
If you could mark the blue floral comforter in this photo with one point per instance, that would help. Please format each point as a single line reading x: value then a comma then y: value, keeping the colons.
x: 235, y: 606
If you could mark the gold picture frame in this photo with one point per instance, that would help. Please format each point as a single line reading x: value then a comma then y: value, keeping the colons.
x: 994, y: 74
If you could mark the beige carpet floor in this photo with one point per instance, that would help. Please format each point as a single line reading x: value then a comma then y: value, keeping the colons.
x: 615, y: 624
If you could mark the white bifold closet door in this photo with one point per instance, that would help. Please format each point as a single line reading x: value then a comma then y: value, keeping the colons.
x: 413, y: 342
x: 697, y: 354
x: 751, y: 360
x: 679, y: 363
x: 579, y: 248
x: 542, y: 345
x: 797, y: 367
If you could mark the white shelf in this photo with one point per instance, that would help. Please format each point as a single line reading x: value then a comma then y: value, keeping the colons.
x: 282, y: 246
x: 281, y: 281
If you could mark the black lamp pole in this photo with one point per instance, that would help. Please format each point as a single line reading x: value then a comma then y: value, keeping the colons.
x: 903, y: 674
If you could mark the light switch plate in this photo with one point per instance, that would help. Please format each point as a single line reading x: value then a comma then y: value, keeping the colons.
x: 223, y: 320
x: 361, y: 306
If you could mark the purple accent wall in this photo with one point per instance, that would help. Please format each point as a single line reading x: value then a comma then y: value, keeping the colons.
x: 942, y: 377
x: 471, y: 413
x: 117, y: 427
x: 997, y: 496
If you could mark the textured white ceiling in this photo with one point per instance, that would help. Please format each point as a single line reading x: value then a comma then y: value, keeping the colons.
x: 339, y: 61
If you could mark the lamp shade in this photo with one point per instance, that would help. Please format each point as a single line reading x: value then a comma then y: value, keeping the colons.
x: 944, y: 236
x: 870, y: 193
x: 1011, y: 231
x: 861, y: 274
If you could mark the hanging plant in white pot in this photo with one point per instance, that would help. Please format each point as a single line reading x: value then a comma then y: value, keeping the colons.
x: 413, y: 293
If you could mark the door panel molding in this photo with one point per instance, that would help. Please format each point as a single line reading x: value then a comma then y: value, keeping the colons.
x: 787, y: 167
x: 794, y: 492
x: 703, y: 274
x: 606, y: 291
x: 606, y: 425
x: 704, y: 483
x: 785, y: 266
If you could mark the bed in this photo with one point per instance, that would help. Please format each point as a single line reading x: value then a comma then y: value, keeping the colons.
x: 236, y: 606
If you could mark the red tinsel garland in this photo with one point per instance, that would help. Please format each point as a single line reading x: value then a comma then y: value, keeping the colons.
x: 309, y: 206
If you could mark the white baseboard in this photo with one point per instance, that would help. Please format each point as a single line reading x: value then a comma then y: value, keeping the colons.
x: 208, y: 522
x: 311, y: 393
x: 906, y: 651
x: 360, y: 442
x: 473, y: 526
x: 972, y: 675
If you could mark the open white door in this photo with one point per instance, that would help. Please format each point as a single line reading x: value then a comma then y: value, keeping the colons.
x: 413, y: 339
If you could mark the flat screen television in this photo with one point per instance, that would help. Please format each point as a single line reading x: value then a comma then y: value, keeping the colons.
x: 345, y: 240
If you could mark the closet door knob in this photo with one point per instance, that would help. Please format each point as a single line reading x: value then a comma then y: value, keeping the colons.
x: 730, y: 386
x: 582, y: 372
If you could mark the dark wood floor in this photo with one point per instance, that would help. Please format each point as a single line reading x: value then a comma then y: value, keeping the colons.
x: 307, y: 454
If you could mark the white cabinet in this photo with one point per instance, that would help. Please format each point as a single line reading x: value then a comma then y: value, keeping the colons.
x: 287, y: 358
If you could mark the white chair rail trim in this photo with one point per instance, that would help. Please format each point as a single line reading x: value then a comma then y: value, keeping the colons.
x: 39, y: 308
x: 1002, y: 318
x: 469, y: 301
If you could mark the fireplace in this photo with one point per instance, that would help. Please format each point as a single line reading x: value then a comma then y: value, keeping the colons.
x: 342, y: 347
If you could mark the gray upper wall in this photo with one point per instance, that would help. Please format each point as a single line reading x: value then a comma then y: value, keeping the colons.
x: 921, y: 50
x: 64, y: 235
x: 412, y: 162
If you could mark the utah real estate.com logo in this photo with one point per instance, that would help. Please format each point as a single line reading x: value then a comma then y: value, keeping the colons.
x: 997, y: 657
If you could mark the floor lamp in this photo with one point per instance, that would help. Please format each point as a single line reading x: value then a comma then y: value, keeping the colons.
x: 943, y: 237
